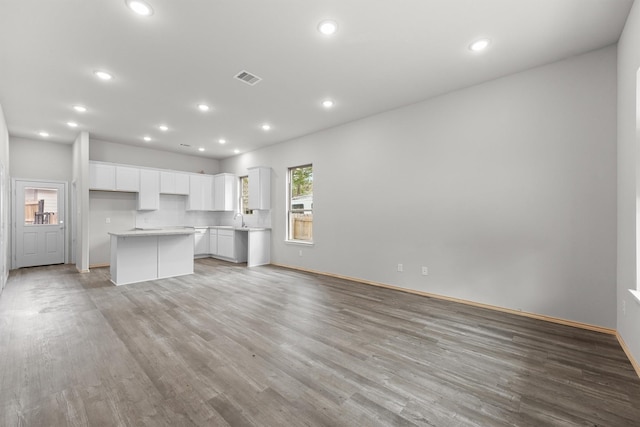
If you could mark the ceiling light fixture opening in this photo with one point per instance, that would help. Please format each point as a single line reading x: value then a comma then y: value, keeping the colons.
x: 201, y: 149
x: 328, y: 27
x: 222, y: 141
x: 140, y: 7
x: 266, y: 126
x: 103, y: 75
x: 479, y: 45
x: 203, y: 107
x: 72, y: 124
x: 147, y: 138
x: 80, y: 108
x: 328, y: 103
x: 43, y: 134
x: 163, y: 128
x: 236, y: 151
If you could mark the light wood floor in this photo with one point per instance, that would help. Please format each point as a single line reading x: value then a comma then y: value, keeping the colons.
x: 273, y: 347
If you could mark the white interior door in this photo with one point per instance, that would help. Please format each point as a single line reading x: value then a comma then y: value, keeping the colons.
x: 39, y: 223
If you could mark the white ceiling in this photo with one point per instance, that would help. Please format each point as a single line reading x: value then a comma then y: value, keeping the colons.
x: 386, y: 54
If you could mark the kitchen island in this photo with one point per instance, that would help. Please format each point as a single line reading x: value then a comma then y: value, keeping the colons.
x: 140, y: 255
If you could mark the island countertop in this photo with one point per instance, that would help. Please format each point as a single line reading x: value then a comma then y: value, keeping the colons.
x: 153, y: 232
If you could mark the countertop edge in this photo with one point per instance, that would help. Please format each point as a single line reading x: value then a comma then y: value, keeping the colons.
x: 141, y: 233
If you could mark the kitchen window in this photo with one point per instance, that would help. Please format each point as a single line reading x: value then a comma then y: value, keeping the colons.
x: 300, y: 204
x: 244, y: 196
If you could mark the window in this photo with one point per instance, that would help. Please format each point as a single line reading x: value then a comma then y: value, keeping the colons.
x: 244, y: 196
x: 300, y: 204
x: 40, y: 206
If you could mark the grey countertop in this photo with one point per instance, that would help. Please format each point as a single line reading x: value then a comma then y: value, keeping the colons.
x: 230, y: 227
x: 153, y: 232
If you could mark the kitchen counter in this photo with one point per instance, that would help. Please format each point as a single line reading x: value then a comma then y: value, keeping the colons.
x: 252, y: 245
x: 153, y: 232
x: 231, y: 227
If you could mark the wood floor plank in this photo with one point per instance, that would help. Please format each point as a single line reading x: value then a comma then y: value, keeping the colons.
x: 267, y: 346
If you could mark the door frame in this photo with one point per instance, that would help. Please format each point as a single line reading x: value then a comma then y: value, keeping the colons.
x: 14, y: 201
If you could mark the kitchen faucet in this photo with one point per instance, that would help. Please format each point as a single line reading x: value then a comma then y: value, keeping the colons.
x: 241, y: 216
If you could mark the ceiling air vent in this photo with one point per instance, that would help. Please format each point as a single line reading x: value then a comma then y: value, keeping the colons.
x: 248, y: 78
x: 185, y: 145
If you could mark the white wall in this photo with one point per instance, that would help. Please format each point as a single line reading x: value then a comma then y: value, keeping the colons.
x: 505, y: 190
x: 140, y: 156
x: 5, y: 201
x: 120, y: 208
x: 628, y: 188
x: 46, y: 160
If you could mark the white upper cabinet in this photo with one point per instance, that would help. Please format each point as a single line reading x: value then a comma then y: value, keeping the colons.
x: 102, y: 176
x: 225, y: 189
x: 182, y: 183
x: 127, y: 179
x: 200, y: 193
x: 174, y: 183
x: 149, y: 195
x: 110, y: 177
x: 260, y: 188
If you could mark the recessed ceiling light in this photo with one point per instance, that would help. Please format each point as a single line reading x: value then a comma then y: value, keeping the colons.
x: 203, y: 107
x: 43, y: 134
x: 140, y: 7
x: 328, y: 27
x: 222, y: 141
x: 80, y: 108
x: 201, y: 149
x: 72, y: 124
x: 327, y: 103
x: 163, y: 128
x: 479, y: 45
x: 236, y: 151
x: 103, y: 75
x: 266, y: 126
x: 147, y: 138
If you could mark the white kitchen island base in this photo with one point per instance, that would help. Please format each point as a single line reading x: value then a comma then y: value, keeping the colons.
x: 140, y: 255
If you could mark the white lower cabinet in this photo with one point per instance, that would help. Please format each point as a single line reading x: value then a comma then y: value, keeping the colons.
x: 228, y: 244
x: 201, y: 241
x: 225, y: 243
x: 213, y: 241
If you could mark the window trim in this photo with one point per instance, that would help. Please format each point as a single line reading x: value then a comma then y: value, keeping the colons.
x: 241, y: 207
x: 289, y: 209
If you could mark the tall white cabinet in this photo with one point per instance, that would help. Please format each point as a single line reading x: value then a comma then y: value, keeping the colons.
x: 200, y: 193
x: 260, y: 188
x: 149, y: 194
x: 225, y: 192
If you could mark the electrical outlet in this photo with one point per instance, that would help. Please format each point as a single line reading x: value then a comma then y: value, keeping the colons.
x: 107, y: 221
x: 400, y: 267
x: 425, y: 271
